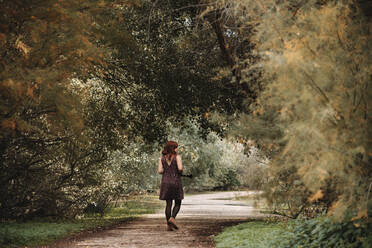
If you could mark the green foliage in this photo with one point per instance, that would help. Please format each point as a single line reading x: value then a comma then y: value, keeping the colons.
x: 215, y: 162
x: 42, y: 232
x: 83, y: 83
x: 22, y: 234
x: 318, y: 232
x: 323, y: 232
x: 175, y: 61
x: 255, y: 234
x: 314, y: 113
x: 129, y: 170
x: 228, y: 179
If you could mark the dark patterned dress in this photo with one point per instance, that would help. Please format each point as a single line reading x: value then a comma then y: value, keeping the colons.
x: 171, y: 184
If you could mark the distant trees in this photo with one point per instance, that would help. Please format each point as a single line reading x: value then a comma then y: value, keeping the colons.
x: 217, y: 163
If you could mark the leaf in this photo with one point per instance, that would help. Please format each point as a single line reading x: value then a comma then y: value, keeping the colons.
x: 30, y: 91
x: 318, y: 195
x: 2, y: 39
x: 8, y: 124
x: 362, y: 213
x: 22, y: 46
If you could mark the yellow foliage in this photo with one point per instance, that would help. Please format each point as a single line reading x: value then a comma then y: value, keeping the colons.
x: 80, y: 52
x: 290, y: 145
x: 258, y: 112
x: 22, y: 47
x: 85, y: 41
x: 102, y: 4
x: 8, y: 124
x: 2, y: 39
x: 335, y: 205
x: 317, y: 196
x: 8, y: 83
x: 323, y: 174
x: 30, y: 90
x: 362, y: 213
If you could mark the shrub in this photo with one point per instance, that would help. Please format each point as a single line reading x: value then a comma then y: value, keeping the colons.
x: 324, y: 232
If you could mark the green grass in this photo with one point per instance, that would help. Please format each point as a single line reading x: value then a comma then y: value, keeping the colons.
x: 255, y: 234
x: 43, y: 231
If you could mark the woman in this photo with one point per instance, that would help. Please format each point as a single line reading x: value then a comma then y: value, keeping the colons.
x: 170, y: 166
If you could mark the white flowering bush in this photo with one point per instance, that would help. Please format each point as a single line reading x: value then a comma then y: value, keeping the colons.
x: 215, y: 162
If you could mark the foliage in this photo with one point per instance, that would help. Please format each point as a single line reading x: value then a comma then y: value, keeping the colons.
x: 129, y: 171
x: 323, y: 232
x: 318, y: 232
x: 251, y: 234
x: 314, y: 113
x: 84, y: 82
x: 50, y: 149
x: 43, y: 231
x: 175, y: 60
x: 215, y: 162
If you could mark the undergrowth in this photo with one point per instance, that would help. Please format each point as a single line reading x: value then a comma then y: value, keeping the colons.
x: 312, y: 233
x: 45, y: 231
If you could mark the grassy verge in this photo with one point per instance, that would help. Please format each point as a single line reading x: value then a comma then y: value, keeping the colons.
x: 255, y: 234
x: 300, y: 233
x: 43, y: 231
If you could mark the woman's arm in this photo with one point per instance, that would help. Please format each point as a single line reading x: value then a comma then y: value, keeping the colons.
x: 160, y: 167
x: 179, y: 163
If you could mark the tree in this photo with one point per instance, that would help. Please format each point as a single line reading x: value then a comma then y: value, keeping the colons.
x: 316, y: 61
x: 49, y: 150
x: 176, y: 60
x: 81, y: 80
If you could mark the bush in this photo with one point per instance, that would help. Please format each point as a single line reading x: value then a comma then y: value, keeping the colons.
x: 323, y: 232
x: 313, y: 115
x: 313, y: 233
x: 228, y: 179
x: 216, y: 162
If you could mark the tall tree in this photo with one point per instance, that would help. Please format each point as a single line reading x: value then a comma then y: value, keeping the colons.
x: 47, y: 148
x: 316, y: 60
x: 177, y: 61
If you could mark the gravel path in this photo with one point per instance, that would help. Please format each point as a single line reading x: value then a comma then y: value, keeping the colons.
x: 201, y: 217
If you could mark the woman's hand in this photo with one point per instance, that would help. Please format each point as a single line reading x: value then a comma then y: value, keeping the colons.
x: 160, y: 167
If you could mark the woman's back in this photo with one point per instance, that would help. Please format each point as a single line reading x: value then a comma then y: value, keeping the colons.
x: 171, y: 184
x: 170, y: 169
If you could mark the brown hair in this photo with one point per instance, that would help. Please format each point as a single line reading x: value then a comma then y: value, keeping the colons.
x: 169, y: 149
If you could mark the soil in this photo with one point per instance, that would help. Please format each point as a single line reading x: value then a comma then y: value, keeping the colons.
x: 202, y: 216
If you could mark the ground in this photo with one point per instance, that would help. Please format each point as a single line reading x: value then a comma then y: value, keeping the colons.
x: 201, y: 217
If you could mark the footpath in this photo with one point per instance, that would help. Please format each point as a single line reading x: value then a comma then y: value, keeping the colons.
x: 201, y: 217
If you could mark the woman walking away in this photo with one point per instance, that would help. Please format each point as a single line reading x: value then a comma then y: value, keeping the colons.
x: 170, y: 166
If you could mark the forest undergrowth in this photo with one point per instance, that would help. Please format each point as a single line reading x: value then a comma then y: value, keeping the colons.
x: 44, y: 231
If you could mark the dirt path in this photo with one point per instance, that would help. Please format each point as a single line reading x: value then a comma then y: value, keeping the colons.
x: 201, y: 217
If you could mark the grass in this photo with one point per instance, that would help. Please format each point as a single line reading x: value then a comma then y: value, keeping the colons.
x: 44, y: 231
x: 255, y: 234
